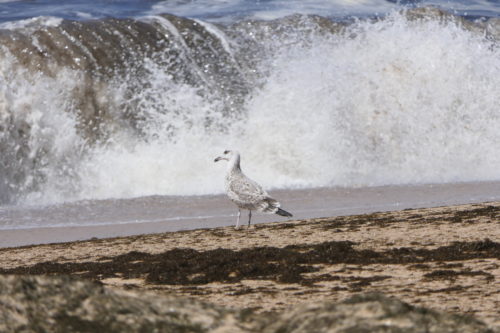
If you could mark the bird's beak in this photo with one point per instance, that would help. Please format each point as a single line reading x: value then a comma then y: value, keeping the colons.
x: 218, y: 159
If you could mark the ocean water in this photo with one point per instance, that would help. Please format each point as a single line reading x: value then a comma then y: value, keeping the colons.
x: 126, y: 99
x: 231, y: 10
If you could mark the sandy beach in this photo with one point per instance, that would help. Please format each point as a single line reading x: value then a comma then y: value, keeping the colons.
x: 446, y: 258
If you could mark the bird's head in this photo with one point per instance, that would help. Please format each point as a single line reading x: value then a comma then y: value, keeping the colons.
x: 228, y: 154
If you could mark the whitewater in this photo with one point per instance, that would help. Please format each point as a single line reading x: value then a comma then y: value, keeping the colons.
x: 391, y: 101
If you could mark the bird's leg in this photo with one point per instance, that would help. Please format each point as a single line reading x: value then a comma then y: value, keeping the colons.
x: 238, y: 219
x: 249, y: 217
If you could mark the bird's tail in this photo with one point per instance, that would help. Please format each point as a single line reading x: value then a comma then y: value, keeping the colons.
x: 283, y: 212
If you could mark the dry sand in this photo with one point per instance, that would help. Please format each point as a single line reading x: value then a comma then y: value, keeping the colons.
x: 446, y: 258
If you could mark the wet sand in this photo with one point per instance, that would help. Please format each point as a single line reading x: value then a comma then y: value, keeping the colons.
x: 446, y: 258
x: 111, y: 218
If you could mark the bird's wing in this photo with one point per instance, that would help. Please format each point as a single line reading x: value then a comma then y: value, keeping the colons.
x: 245, y: 190
x: 268, y: 205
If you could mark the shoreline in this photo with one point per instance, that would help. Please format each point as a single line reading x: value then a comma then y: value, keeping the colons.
x: 446, y: 258
x: 156, y: 214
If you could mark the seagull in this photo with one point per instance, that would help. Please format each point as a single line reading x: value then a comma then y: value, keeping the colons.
x: 246, y: 193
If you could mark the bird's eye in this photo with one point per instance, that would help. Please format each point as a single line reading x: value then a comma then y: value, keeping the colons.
x: 226, y: 152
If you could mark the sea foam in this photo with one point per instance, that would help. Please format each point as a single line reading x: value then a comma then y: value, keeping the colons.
x: 391, y: 102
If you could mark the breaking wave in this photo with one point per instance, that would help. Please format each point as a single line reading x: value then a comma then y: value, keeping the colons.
x: 119, y: 108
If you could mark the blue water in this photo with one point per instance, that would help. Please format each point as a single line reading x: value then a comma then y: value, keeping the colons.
x: 230, y: 10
